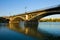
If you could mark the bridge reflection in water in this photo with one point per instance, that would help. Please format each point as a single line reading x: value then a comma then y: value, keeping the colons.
x: 31, y: 31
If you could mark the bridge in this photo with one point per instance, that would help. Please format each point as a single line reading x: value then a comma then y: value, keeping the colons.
x: 31, y: 18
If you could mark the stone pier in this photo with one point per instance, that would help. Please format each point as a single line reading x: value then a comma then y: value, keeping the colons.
x: 31, y: 24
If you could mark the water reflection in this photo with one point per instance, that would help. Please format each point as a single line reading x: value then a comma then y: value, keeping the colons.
x: 13, y: 31
x: 43, y: 32
x: 26, y: 30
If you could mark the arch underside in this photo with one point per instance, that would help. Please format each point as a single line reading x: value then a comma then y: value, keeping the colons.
x: 43, y: 15
x: 17, y: 19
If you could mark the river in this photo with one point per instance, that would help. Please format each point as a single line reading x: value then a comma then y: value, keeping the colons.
x: 15, y: 32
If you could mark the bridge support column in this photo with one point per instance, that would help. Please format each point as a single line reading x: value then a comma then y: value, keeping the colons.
x: 32, y: 24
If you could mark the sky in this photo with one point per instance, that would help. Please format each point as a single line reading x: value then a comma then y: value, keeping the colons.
x: 15, y: 7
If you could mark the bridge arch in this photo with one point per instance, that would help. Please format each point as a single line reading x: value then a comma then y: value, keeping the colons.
x: 44, y: 14
x: 16, y: 22
x: 16, y: 19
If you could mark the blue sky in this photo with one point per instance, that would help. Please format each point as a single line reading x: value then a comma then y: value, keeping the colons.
x: 13, y: 7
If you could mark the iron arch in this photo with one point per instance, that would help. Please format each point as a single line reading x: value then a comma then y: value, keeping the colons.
x: 44, y: 14
x: 49, y: 13
x: 17, y: 18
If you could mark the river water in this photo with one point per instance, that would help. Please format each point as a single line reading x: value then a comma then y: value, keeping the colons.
x: 15, y: 32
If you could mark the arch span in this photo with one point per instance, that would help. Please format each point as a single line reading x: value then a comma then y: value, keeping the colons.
x: 43, y: 15
x: 17, y: 18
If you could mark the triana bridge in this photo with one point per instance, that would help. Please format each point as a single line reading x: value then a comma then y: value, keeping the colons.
x: 33, y: 17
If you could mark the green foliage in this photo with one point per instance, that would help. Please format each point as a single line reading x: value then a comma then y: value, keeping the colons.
x: 3, y: 20
x: 50, y: 20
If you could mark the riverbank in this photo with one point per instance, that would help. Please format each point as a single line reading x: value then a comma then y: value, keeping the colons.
x: 50, y: 20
